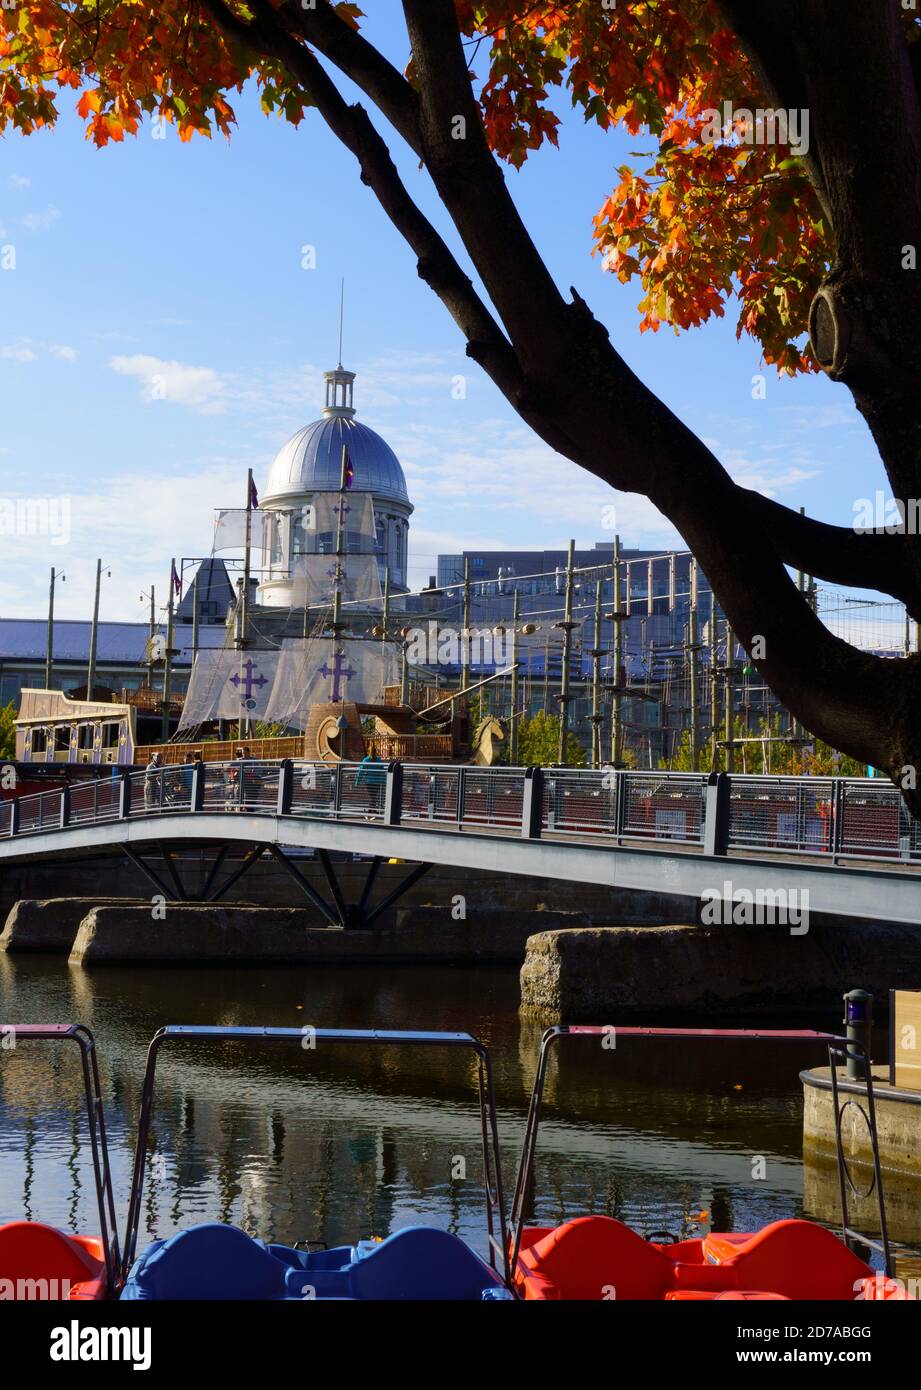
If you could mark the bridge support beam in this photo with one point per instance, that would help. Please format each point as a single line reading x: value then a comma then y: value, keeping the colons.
x: 248, y: 859
x: 306, y: 888
x: 150, y: 874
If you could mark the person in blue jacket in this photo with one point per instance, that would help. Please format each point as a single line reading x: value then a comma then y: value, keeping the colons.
x: 372, y: 773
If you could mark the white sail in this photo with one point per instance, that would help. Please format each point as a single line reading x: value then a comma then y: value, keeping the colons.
x: 227, y: 684
x: 320, y: 671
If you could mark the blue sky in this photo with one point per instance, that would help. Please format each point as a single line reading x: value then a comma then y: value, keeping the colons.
x: 186, y: 259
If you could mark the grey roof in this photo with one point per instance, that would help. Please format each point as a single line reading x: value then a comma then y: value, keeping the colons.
x: 311, y: 461
x: 24, y: 639
x: 213, y: 585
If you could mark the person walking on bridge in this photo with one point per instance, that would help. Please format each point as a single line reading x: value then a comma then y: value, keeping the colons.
x: 372, y: 773
x: 152, y: 780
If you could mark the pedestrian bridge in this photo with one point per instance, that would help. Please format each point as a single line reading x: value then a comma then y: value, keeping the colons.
x: 849, y: 843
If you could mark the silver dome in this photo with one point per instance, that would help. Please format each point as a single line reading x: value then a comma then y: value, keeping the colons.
x: 311, y: 461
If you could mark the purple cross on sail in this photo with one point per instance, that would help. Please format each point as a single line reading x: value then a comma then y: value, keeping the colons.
x: 339, y: 672
x: 249, y: 682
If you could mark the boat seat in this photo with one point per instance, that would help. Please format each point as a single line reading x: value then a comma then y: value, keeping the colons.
x: 208, y: 1261
x: 739, y: 1295
x: 31, y: 1251
x: 798, y: 1260
x: 418, y: 1263
x: 422, y: 1263
x: 593, y: 1258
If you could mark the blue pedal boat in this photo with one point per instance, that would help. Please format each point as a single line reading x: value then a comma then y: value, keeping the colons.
x: 215, y: 1261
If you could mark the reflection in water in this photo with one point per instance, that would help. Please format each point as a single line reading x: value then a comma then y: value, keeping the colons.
x: 334, y: 1144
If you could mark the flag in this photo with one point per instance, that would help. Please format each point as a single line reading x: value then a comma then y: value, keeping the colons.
x: 253, y: 494
x: 349, y: 471
x: 176, y: 581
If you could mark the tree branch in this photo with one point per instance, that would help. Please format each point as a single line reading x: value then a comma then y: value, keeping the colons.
x: 864, y: 157
x: 472, y: 186
x: 486, y: 343
x: 869, y: 560
x: 359, y: 60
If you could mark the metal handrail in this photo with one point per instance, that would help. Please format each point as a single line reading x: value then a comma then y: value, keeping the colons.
x: 492, y: 1169
x: 92, y: 1090
x: 859, y: 818
x: 839, y: 1049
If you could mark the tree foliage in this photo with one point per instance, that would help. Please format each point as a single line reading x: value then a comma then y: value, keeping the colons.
x: 539, y: 743
x: 762, y: 755
x: 701, y: 220
x: 8, y: 730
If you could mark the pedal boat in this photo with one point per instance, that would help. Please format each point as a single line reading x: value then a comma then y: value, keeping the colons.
x: 600, y: 1258
x: 216, y: 1261
x: 38, y: 1261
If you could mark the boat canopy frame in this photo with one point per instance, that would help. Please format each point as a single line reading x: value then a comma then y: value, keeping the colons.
x: 492, y: 1170
x: 839, y: 1050
x: 95, y: 1115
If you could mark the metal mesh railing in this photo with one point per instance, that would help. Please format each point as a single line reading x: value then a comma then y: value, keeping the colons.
x: 579, y: 802
x: 858, y: 818
x: 313, y: 789
x: 875, y: 822
x: 664, y: 807
x: 433, y: 793
x: 493, y: 796
x: 94, y: 801
x: 782, y: 813
x: 40, y: 812
x: 362, y: 788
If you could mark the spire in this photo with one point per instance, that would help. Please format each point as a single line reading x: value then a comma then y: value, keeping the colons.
x: 341, y: 318
x: 339, y: 382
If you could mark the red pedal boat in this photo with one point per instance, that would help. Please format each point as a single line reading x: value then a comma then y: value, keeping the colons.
x: 38, y: 1261
x: 597, y: 1257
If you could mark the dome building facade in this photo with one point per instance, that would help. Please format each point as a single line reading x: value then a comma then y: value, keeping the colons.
x: 311, y: 462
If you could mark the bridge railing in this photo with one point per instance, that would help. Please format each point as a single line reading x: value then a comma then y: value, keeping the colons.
x: 822, y: 816
x: 790, y: 814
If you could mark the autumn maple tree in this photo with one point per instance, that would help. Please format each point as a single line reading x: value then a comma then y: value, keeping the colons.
x: 812, y: 244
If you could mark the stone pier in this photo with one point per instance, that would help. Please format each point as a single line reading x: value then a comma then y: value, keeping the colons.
x: 605, y: 974
x: 201, y: 935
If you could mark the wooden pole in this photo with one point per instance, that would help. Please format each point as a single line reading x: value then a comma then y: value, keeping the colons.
x: 617, y: 732
x: 513, y: 696
x: 567, y: 626
x: 49, y: 651
x: 596, y: 679
x: 94, y: 636
x: 168, y: 657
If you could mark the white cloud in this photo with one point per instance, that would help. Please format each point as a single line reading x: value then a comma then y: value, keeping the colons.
x: 202, y: 388
x: 18, y: 181
x: 135, y: 522
x: 40, y: 221
x: 27, y: 350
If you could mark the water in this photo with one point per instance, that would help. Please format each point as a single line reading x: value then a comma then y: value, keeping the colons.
x: 335, y: 1144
